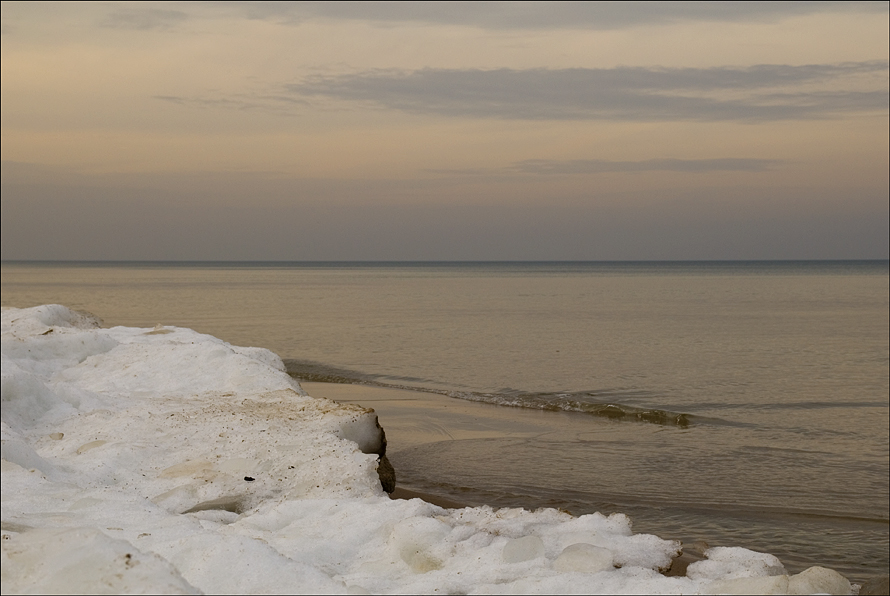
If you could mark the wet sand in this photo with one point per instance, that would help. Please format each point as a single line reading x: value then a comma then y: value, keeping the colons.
x: 413, y: 418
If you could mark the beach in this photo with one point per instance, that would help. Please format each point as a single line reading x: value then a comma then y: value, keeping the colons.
x: 419, y: 424
x: 131, y: 464
x: 414, y: 418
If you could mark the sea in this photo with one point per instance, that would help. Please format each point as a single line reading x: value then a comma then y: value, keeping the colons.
x: 736, y: 403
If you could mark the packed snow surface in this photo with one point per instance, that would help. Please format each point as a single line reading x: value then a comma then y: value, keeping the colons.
x: 167, y: 461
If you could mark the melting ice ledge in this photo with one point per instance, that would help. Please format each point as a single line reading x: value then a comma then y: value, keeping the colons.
x: 167, y: 461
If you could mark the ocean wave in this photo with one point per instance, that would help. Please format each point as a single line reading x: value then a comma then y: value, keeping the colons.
x: 599, y: 403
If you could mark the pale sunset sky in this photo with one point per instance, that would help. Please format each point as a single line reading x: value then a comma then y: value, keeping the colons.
x: 445, y: 131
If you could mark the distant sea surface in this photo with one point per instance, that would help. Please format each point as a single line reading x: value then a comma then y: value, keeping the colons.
x: 742, y: 403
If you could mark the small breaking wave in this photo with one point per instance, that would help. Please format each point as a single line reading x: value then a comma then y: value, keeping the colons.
x: 581, y: 402
x: 602, y: 404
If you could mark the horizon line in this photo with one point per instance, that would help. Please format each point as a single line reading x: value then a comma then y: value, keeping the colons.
x: 428, y: 261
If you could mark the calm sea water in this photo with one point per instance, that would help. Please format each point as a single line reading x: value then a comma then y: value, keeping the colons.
x: 739, y: 403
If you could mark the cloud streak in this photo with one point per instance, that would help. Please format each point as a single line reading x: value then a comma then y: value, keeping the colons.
x: 278, y: 104
x: 549, y: 15
x: 757, y: 93
x: 143, y: 19
x: 598, y: 166
x: 556, y: 167
x: 485, y: 15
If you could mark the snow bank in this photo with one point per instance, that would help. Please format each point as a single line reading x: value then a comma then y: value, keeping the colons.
x: 167, y: 461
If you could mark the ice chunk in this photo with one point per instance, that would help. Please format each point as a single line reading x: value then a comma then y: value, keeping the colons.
x: 523, y: 549
x: 725, y: 562
x: 613, y: 532
x: 584, y: 557
x: 56, y: 315
x: 819, y: 580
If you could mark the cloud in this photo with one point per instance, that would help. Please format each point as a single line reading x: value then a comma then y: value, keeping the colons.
x: 596, y: 166
x: 485, y: 15
x: 601, y: 166
x: 143, y: 19
x: 756, y: 93
x: 549, y: 15
x: 277, y: 104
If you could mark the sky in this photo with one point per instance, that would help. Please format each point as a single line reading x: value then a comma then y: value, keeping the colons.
x: 445, y: 131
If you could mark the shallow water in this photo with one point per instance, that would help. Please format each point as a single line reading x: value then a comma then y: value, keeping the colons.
x: 740, y: 403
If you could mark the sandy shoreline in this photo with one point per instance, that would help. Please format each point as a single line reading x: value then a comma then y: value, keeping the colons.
x: 414, y: 418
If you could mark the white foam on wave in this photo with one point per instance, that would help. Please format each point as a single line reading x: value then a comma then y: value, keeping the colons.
x: 167, y: 461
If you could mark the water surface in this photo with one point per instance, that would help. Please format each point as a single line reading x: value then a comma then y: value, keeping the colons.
x: 745, y: 403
